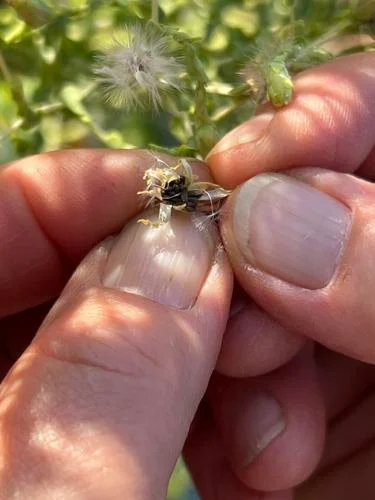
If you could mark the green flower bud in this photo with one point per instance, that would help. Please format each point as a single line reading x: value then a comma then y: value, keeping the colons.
x: 279, y: 83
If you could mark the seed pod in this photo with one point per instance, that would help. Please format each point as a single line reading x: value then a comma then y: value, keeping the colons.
x: 179, y: 189
x: 279, y: 82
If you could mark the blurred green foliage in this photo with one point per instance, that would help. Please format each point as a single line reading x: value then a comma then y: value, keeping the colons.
x: 49, y: 98
x: 180, y: 485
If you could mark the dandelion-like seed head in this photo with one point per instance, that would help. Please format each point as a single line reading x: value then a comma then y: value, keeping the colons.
x: 139, y: 68
x: 253, y: 75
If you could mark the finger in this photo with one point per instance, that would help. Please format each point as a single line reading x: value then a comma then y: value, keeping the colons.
x: 105, y: 395
x: 329, y: 123
x: 347, y: 387
x: 344, y: 381
x: 272, y: 427
x: 54, y: 208
x: 211, y: 470
x: 353, y: 478
x: 305, y: 254
x: 350, y: 433
x: 254, y: 343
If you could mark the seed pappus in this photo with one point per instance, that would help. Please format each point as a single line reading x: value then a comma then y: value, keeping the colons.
x: 179, y: 189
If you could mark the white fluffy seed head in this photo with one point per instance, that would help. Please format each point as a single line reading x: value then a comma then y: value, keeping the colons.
x: 139, y: 67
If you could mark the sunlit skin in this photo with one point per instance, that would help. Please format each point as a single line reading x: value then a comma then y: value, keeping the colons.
x: 100, y: 405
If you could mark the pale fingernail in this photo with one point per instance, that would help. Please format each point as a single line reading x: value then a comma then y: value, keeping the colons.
x: 167, y: 264
x: 290, y: 229
x: 264, y: 421
x: 247, y: 132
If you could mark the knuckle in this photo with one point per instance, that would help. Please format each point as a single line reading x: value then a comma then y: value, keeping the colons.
x: 101, y: 331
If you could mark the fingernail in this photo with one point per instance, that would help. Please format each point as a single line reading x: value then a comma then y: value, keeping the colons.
x: 167, y: 264
x: 264, y: 423
x: 247, y: 132
x: 290, y: 229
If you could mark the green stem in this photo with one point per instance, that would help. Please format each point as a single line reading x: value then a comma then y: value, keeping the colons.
x: 13, y: 128
x: 334, y: 31
x: 16, y: 88
x: 33, y: 15
x: 155, y: 11
x: 46, y: 109
x: 4, y: 69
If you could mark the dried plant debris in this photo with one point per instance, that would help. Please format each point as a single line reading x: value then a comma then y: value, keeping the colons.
x: 179, y: 189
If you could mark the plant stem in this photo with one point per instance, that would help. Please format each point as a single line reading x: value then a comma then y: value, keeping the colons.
x: 13, y: 128
x: 4, y: 69
x: 334, y: 31
x: 15, y: 86
x: 155, y: 11
x: 46, y: 109
x: 33, y: 15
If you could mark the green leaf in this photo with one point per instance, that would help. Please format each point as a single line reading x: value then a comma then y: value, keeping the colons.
x: 11, y: 27
x: 71, y: 96
x: 183, y: 150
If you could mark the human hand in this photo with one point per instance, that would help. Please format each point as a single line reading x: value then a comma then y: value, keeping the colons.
x: 46, y: 449
x: 298, y: 361
x: 99, y: 406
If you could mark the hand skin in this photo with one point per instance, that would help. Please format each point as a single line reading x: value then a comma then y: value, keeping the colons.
x: 100, y: 404
x: 302, y: 248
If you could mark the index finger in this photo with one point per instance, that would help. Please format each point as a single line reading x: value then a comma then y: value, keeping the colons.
x: 330, y: 124
x: 54, y: 208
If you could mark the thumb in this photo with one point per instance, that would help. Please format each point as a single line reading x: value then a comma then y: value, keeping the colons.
x: 303, y: 246
x: 100, y: 404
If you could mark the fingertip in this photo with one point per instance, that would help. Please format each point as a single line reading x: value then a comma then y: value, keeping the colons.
x: 254, y: 343
x: 320, y: 280
x: 62, y: 203
x: 272, y: 426
x: 211, y: 470
x: 326, y: 124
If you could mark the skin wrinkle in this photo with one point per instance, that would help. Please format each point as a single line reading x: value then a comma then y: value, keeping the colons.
x: 71, y: 238
x: 23, y: 191
x: 92, y: 327
x: 173, y: 387
x: 65, y: 430
x: 309, y: 112
x: 86, y: 363
x: 190, y: 346
x: 347, y: 99
x: 310, y: 140
x: 101, y: 186
x: 328, y: 302
x: 176, y: 316
x: 317, y: 312
x: 42, y: 256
